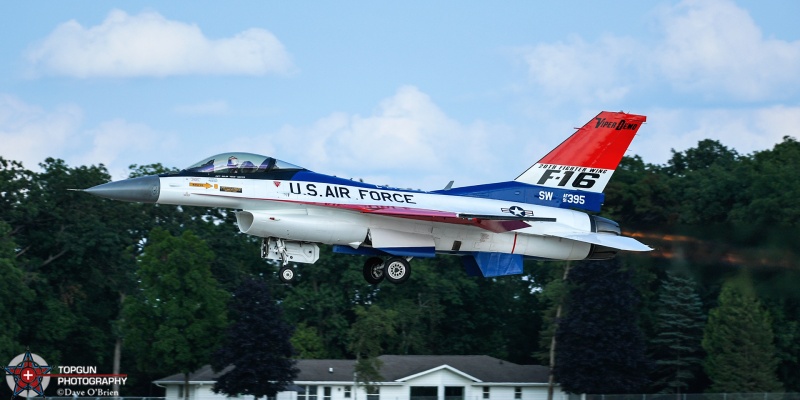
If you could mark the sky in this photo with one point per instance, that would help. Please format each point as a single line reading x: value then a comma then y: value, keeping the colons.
x: 410, y: 94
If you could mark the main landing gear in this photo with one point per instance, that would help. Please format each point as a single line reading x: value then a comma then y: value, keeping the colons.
x: 395, y: 270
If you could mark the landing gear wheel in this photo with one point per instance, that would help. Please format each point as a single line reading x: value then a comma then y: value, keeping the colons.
x: 373, y: 270
x: 286, y: 274
x: 397, y: 270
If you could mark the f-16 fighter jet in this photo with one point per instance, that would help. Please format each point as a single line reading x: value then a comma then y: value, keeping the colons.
x: 543, y: 214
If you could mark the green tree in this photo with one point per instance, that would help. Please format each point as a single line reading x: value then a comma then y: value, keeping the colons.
x: 256, y: 355
x: 374, y: 327
x: 554, y: 293
x: 770, y: 198
x: 14, y: 291
x: 176, y: 317
x: 307, y: 342
x: 710, y: 176
x: 738, y: 339
x: 677, y: 349
x: 786, y: 326
x: 600, y: 347
x: 73, y: 251
x: 325, y: 296
x: 640, y: 194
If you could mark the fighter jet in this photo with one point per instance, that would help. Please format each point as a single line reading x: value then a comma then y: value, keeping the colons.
x: 543, y: 214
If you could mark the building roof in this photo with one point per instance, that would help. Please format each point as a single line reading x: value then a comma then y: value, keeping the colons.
x: 483, y: 368
x: 398, y: 368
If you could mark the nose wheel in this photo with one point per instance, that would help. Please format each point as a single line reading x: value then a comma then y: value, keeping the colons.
x: 286, y: 274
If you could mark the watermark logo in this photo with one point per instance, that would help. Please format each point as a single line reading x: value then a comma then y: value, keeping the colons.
x: 27, y: 375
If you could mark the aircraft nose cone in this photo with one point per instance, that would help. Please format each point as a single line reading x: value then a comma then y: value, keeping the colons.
x: 144, y: 189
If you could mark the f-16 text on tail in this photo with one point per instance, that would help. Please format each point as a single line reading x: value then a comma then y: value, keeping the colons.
x: 493, y: 227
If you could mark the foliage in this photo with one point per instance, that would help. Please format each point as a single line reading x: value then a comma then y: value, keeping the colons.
x: 256, y: 355
x: 176, y: 317
x: 676, y: 348
x: 307, y: 343
x: 600, y: 347
x: 70, y: 259
x: 739, y: 341
x: 374, y: 327
x: 14, y: 293
x: 553, y: 295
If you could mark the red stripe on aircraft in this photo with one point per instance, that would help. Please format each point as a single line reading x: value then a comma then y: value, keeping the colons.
x: 514, y: 246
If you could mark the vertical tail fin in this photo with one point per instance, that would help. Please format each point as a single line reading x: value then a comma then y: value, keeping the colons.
x: 586, y: 160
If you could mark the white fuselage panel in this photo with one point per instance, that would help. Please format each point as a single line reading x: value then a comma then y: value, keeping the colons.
x: 332, y: 214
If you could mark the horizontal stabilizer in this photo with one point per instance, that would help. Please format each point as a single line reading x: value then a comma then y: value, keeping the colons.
x: 604, y: 239
x: 506, y: 218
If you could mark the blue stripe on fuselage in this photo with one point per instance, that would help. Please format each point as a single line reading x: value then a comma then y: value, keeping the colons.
x: 531, y: 194
x: 517, y: 192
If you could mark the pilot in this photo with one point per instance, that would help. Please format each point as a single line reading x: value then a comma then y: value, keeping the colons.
x: 233, y: 162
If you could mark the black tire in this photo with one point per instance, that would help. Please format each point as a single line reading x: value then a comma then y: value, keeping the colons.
x: 286, y: 274
x: 373, y: 270
x: 397, y: 270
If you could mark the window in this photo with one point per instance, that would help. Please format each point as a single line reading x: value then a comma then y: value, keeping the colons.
x: 486, y: 392
x: 454, y: 393
x: 517, y: 392
x: 347, y: 391
x: 309, y: 393
x: 373, y: 393
x: 424, y: 392
x: 326, y: 393
x: 239, y: 163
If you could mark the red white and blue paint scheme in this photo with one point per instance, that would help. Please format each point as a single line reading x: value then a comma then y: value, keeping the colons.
x: 542, y: 214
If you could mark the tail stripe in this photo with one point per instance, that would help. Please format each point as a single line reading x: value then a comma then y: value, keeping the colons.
x: 586, y: 160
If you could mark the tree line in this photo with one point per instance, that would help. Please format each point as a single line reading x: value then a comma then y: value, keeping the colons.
x: 148, y: 290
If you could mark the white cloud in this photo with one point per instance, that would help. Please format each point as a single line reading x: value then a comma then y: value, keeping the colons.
x: 714, y: 45
x: 148, y: 44
x: 119, y: 143
x: 581, y: 71
x: 30, y: 134
x: 708, y: 47
x: 746, y: 130
x: 407, y: 141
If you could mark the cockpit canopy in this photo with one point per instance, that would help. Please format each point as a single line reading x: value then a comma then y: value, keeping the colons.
x: 240, y: 163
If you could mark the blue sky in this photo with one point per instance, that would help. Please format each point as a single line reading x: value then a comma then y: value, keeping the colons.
x: 411, y: 93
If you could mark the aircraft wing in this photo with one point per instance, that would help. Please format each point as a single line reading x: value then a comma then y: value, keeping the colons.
x: 493, y: 223
x: 505, y: 223
x: 606, y: 240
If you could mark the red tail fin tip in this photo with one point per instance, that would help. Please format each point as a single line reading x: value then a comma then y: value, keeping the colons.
x: 586, y: 160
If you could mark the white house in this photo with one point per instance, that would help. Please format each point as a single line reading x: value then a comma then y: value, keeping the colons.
x: 405, y: 378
